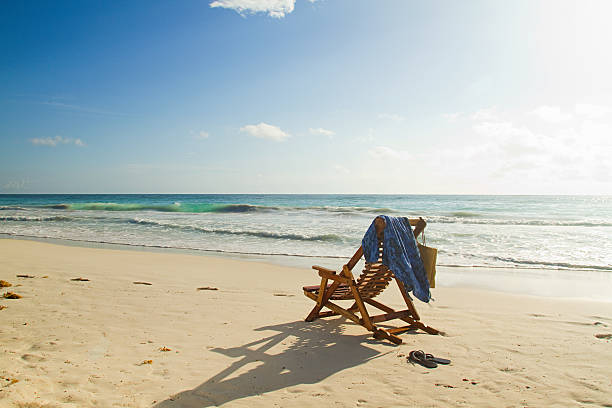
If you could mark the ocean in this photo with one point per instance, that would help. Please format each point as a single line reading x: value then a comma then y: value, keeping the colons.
x: 522, y: 232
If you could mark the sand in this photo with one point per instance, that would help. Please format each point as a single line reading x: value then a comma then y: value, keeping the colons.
x: 110, y: 342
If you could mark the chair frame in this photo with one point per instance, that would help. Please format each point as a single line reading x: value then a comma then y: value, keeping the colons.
x: 325, y: 292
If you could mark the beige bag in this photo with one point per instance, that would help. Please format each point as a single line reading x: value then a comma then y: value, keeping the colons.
x: 429, y: 255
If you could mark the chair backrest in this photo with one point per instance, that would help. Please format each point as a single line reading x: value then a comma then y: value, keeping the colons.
x: 375, y: 277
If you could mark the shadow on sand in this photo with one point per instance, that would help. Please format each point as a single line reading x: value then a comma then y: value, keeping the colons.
x: 308, y: 353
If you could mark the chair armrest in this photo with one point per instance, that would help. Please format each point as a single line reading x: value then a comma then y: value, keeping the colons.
x: 321, y: 268
x: 332, y: 275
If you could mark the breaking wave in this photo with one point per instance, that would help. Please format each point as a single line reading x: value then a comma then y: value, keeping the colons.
x: 541, y: 223
x: 30, y: 218
x: 211, y: 208
x: 553, y: 265
x: 258, y: 234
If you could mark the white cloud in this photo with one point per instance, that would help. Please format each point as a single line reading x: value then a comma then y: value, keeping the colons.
x: 265, y: 131
x: 202, y: 135
x: 592, y: 111
x: 57, y: 140
x: 321, y: 131
x: 484, y: 114
x: 391, y: 116
x: 387, y: 153
x: 274, y: 8
x: 341, y: 169
x: 564, y: 155
x: 368, y: 138
x: 515, y: 154
x: 451, y: 117
x: 551, y: 114
x: 512, y: 141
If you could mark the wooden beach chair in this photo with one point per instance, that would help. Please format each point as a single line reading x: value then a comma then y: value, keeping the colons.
x: 374, y: 278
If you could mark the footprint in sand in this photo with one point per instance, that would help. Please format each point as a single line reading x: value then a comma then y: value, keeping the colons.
x: 33, y: 358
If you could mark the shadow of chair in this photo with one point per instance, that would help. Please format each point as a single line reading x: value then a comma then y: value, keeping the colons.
x: 299, y: 353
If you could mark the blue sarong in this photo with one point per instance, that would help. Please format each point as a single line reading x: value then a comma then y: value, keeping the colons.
x: 400, y: 254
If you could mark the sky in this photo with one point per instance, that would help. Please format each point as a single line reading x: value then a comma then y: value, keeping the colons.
x: 303, y: 96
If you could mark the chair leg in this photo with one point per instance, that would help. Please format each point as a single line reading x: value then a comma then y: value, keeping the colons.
x: 380, y: 334
x: 365, y: 317
x: 408, y: 300
x: 313, y: 315
x: 324, y: 294
x: 412, y: 320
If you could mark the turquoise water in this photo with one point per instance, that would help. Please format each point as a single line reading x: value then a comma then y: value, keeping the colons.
x: 540, y: 232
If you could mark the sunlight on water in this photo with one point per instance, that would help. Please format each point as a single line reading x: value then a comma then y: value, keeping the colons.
x: 543, y: 232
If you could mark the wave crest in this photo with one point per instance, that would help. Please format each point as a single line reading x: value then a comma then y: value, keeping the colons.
x: 540, y: 223
x: 259, y: 234
x: 30, y: 218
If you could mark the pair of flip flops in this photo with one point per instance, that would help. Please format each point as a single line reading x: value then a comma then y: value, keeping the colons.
x: 426, y: 360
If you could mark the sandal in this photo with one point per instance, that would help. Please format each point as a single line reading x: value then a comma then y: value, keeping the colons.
x: 419, y: 357
x: 437, y: 360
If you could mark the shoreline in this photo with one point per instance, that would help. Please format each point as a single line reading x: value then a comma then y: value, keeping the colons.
x: 89, y: 343
x: 558, y: 283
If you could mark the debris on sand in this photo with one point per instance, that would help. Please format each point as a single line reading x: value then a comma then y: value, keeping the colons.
x: 5, y: 284
x: 10, y: 381
x: 142, y: 283
x: 11, y: 295
x: 444, y: 385
x: 207, y: 288
x: 80, y: 279
x: 25, y: 276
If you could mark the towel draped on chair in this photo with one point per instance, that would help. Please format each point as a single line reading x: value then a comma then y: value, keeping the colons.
x: 400, y: 254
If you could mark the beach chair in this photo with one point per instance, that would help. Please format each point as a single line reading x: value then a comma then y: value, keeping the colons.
x: 374, y: 278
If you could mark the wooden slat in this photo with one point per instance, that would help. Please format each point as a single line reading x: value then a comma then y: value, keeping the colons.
x: 404, y: 329
x: 310, y: 295
x: 327, y: 314
x: 390, y: 316
x: 353, y: 261
x: 379, y: 305
x: 343, y: 312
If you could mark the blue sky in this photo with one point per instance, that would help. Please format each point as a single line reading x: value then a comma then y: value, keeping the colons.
x: 325, y: 96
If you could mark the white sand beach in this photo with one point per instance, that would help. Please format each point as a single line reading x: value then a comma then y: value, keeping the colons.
x: 98, y: 343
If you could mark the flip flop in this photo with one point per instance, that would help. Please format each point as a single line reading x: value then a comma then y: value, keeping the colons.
x: 419, y: 357
x: 438, y: 360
